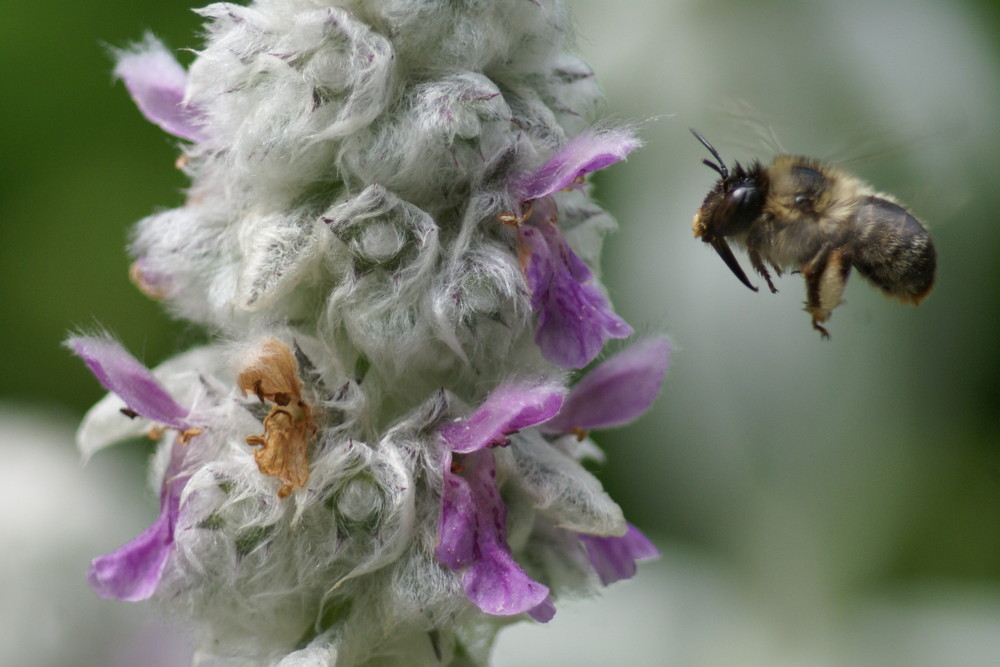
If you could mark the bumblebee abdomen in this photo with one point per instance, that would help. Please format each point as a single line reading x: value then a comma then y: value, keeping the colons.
x: 893, y: 250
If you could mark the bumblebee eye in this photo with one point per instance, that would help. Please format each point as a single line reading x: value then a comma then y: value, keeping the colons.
x: 802, y: 198
x: 737, y: 210
x: 743, y: 196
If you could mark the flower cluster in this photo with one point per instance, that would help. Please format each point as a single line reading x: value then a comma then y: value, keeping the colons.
x: 389, y: 234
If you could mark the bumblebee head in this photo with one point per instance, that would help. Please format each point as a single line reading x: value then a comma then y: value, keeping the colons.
x: 730, y: 207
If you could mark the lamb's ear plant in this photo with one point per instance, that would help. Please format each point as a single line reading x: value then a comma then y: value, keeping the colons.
x: 389, y: 237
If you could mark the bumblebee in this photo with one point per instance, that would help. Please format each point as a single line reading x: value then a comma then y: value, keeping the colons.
x: 801, y: 214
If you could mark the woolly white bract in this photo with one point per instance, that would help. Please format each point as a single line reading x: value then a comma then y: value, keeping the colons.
x: 388, y: 235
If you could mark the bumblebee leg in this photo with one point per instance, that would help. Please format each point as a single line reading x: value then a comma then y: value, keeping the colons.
x: 758, y: 264
x: 826, y: 275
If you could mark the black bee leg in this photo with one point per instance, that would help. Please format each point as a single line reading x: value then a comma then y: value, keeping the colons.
x: 826, y: 276
x: 758, y: 264
x: 823, y: 333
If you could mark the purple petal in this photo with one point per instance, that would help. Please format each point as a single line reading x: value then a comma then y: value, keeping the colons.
x: 587, y: 152
x: 509, y: 408
x: 544, y: 612
x: 498, y: 586
x: 574, y: 317
x: 123, y: 375
x: 133, y: 571
x: 157, y: 82
x: 614, y: 558
x: 615, y: 392
x: 473, y: 535
x: 457, y: 526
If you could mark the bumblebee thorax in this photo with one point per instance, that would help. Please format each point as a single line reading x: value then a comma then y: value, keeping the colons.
x: 807, y: 190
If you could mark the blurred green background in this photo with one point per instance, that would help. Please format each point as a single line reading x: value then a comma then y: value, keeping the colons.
x: 816, y: 473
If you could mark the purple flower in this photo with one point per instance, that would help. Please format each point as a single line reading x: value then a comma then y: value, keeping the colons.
x: 615, y: 392
x: 614, y: 558
x: 574, y: 317
x: 133, y: 571
x: 587, y: 152
x: 472, y: 531
x: 122, y: 374
x: 473, y: 538
x: 509, y: 408
x: 157, y: 83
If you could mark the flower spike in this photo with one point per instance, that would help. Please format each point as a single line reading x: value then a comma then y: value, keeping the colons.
x: 390, y: 247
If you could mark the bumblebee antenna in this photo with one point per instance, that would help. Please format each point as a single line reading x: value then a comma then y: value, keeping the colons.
x: 719, y: 165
